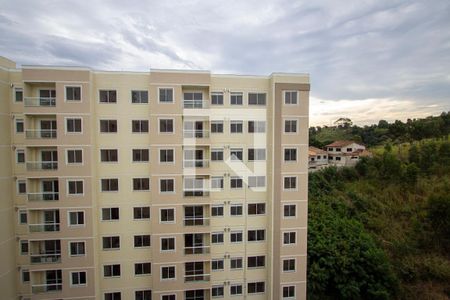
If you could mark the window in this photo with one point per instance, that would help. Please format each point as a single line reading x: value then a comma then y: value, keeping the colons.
x: 139, y: 96
x: 73, y: 125
x: 289, y: 265
x: 167, y: 215
x: 141, y: 184
x: 337, y: 158
x: 236, y: 98
x: 18, y: 94
x: 256, y: 261
x: 20, y: 156
x: 236, y: 263
x: 236, y: 126
x: 24, y: 247
x: 290, y: 126
x: 216, y: 126
x: 75, y: 187
x: 141, y: 241
x: 110, y: 214
x: 108, y: 96
x: 77, y: 248
x: 236, y: 237
x: 110, y: 185
x: 290, y: 183
x: 75, y: 156
x: 289, y: 210
x: 217, y: 264
x: 256, y: 287
x: 168, y: 272
x: 166, y: 95
x: 166, y: 155
x: 109, y: 155
x: 108, y: 126
x: 76, y: 218
x: 217, y: 154
x: 256, y: 181
x: 289, y: 292
x: 111, y: 242
x: 19, y: 126
x: 217, y: 182
x: 236, y: 210
x: 166, y: 125
x: 143, y: 295
x: 290, y: 97
x: 256, y: 126
x: 73, y: 93
x: 290, y: 154
x: 142, y: 268
x: 169, y: 297
x: 289, y: 238
x: 168, y: 244
x: 217, y: 291
x: 217, y: 98
x: 217, y: 238
x: 139, y: 126
x: 23, y: 217
x: 21, y: 186
x: 256, y: 99
x: 349, y: 150
x: 256, y: 235
x: 236, y: 154
x: 217, y: 211
x: 256, y: 154
x: 113, y: 296
x: 25, y: 276
x: 256, y: 209
x: 78, y: 278
x: 141, y: 213
x: 236, y: 182
x: 111, y: 270
x: 140, y: 155
x: 166, y: 185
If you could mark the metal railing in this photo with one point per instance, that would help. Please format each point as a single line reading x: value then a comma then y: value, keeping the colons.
x: 45, y: 227
x: 40, y: 101
x: 45, y: 258
x: 44, y: 196
x: 46, y: 287
x: 42, y: 165
x: 196, y: 277
x: 193, y: 221
x: 196, y: 163
x: 196, y: 193
x: 196, y: 250
x: 40, y: 133
x: 195, y: 133
x: 195, y: 104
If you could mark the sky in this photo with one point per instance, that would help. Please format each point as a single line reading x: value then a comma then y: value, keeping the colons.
x: 368, y: 60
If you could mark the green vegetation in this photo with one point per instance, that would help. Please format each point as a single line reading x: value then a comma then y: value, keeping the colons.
x: 381, y: 230
x: 383, y: 132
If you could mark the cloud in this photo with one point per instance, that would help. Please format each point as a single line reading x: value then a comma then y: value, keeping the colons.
x: 362, y: 50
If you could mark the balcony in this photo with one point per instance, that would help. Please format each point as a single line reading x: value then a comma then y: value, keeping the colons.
x: 40, y: 133
x: 196, y: 193
x: 46, y: 281
x: 203, y: 249
x: 46, y: 287
x: 196, y: 163
x: 45, y: 227
x: 194, y: 104
x: 42, y: 165
x: 40, y: 101
x: 195, y: 133
x: 44, y: 196
x: 45, y: 258
x: 197, y: 277
x: 196, y: 222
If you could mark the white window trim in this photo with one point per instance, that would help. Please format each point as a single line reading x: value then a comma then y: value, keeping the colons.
x: 217, y: 189
x: 217, y: 232
x: 256, y: 92
x: 235, y: 92
x: 164, y: 162
x: 107, y: 89
x: 257, y: 293
x: 237, y: 205
x: 288, y: 258
x: 237, y: 231
x: 289, y: 217
x: 18, y: 181
x: 143, y: 219
x: 101, y: 214
x: 290, y: 91
x: 113, y: 276
x: 174, y: 216
x: 167, y: 279
x: 107, y: 162
x: 297, y: 124
x: 140, y: 122
x: 296, y: 183
x: 107, y: 119
x: 21, y: 276
x: 289, y: 298
x: 142, y: 262
x: 141, y: 191
x: 164, y: 88
x: 107, y: 178
x: 290, y: 161
x: 74, y: 164
x: 17, y: 155
x: 223, y: 264
x: 65, y: 125
x: 15, y: 126
x: 19, y: 212
x: 76, y: 225
x: 16, y: 88
x: 242, y: 289
x: 78, y: 285
x: 237, y: 122
x: 290, y: 244
x: 223, y: 210
x: 67, y: 187
x: 111, y: 249
x: 81, y: 93
x: 217, y: 93
x: 256, y: 203
x: 142, y: 234
x: 237, y: 188
x: 141, y: 161
x: 77, y: 255
x: 162, y: 295
x: 173, y: 125
x: 174, y: 186
x: 139, y: 90
x: 20, y: 247
x: 235, y: 258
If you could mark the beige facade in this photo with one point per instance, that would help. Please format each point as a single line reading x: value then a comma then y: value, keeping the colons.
x: 153, y: 185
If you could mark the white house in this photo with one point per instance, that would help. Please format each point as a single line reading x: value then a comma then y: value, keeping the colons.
x: 318, y: 159
x: 345, y: 153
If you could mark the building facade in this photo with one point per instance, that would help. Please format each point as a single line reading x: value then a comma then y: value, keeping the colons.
x: 152, y: 185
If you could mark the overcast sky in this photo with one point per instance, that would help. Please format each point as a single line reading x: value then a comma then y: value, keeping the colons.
x: 367, y: 59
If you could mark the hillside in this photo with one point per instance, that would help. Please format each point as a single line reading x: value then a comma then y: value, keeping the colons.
x: 381, y: 230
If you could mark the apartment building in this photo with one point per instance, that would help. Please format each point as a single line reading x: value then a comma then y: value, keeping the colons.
x: 163, y: 185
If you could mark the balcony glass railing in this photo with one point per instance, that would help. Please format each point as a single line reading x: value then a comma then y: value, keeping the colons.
x: 196, y: 193
x: 198, y: 134
x: 46, y: 227
x: 46, y: 287
x: 196, y: 163
x: 40, y: 133
x: 42, y: 165
x: 196, y: 250
x: 196, y: 221
x: 196, y: 277
x: 45, y: 258
x: 44, y: 196
x: 195, y: 104
x: 40, y: 101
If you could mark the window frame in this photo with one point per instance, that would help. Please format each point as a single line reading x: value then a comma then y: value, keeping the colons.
x: 73, y: 100
x: 139, y: 97
x: 66, y: 125
x: 108, y: 100
x: 159, y: 95
x: 74, y: 163
x: 79, y: 284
